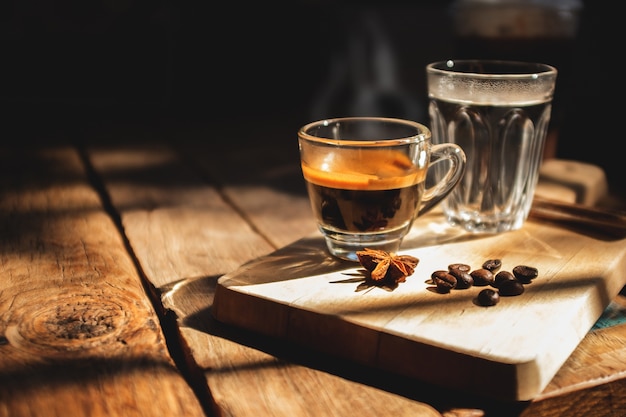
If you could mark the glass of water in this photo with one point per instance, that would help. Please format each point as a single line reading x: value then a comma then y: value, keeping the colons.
x: 498, y: 112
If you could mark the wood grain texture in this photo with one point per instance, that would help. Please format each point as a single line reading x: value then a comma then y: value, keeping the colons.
x: 239, y: 186
x: 78, y: 335
x: 262, y: 180
x: 517, y: 346
x: 249, y: 374
x: 592, y: 380
x: 187, y: 235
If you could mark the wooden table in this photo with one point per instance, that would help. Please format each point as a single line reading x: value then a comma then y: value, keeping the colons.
x: 112, y: 241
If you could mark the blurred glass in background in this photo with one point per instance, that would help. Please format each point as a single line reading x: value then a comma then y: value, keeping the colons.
x: 524, y: 30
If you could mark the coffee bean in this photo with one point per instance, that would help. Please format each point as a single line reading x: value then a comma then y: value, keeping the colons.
x: 460, y: 267
x: 443, y: 280
x: 488, y: 297
x: 525, y: 273
x: 510, y: 288
x: 503, y: 276
x: 482, y: 277
x: 492, y: 265
x: 463, y: 278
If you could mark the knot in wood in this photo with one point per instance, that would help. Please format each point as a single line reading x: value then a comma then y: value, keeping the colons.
x: 76, y: 323
x: 81, y: 321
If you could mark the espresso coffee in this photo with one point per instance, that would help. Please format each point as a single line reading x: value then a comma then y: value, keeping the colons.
x: 365, y: 211
x: 379, y: 192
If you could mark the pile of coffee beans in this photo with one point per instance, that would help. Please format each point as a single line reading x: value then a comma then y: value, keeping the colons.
x: 460, y: 276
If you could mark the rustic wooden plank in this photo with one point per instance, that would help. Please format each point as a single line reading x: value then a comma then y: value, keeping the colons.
x: 176, y: 223
x: 550, y: 403
x: 78, y: 334
x: 186, y: 233
x: 223, y: 352
x: 261, y: 177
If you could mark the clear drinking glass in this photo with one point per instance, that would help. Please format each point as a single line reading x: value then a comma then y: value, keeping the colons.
x: 366, y: 179
x: 498, y: 112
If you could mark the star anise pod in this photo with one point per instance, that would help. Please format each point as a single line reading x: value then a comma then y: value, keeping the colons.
x: 384, y: 265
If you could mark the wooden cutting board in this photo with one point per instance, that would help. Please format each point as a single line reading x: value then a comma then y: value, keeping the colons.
x: 510, y: 351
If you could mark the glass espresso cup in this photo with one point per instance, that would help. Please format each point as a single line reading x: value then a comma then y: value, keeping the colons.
x: 366, y: 179
x: 498, y: 112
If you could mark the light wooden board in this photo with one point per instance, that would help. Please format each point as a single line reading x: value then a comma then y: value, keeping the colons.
x: 510, y: 351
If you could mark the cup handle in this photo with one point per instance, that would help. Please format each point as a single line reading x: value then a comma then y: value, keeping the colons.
x: 439, y: 153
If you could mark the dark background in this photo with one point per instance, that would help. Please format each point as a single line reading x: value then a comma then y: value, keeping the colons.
x: 232, y: 66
